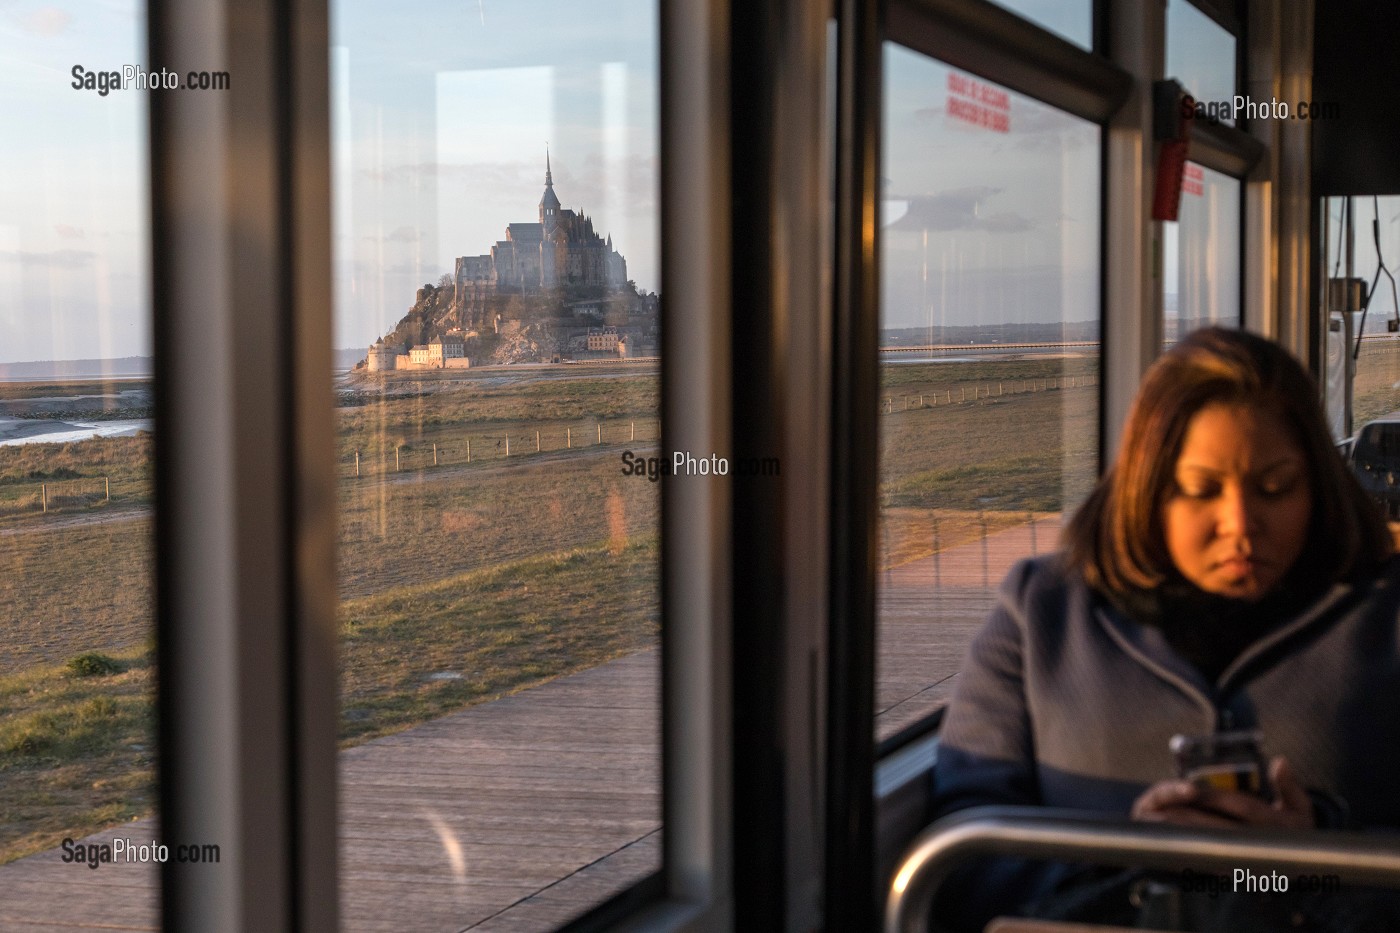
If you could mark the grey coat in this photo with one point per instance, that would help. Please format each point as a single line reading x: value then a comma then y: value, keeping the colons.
x: 1064, y: 702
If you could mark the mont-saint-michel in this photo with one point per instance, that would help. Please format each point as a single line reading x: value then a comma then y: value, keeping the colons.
x: 553, y: 290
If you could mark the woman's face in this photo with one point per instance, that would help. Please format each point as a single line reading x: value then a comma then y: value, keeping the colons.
x: 1236, y: 516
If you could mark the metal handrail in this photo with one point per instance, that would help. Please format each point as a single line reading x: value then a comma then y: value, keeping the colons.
x: 1038, y: 832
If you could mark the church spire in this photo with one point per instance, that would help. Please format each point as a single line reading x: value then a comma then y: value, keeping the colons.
x: 549, y: 203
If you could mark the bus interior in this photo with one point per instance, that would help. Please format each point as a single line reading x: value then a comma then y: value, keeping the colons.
x: 539, y: 466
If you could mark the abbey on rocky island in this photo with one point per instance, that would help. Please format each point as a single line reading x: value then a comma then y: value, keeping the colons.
x: 560, y: 250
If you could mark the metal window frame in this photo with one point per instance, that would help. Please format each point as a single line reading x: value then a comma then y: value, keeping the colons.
x: 245, y: 538
x: 244, y: 567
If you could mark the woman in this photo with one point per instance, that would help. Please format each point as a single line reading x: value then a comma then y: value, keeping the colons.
x: 1227, y: 573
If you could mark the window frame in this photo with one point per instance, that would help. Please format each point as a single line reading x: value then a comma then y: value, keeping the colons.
x: 245, y: 565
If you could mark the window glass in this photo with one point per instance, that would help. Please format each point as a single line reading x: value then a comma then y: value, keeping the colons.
x: 496, y: 306
x: 989, y: 357
x: 77, y: 677
x: 1073, y: 20
x: 1201, y: 255
x: 1375, y: 380
x: 1201, y: 55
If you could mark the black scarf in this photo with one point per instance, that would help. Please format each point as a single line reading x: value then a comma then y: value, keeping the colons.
x: 1212, y: 631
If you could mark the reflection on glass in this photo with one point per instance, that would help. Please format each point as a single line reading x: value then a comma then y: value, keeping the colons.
x: 77, y: 678
x: 1073, y: 21
x: 1201, y: 255
x: 498, y: 424
x: 1201, y: 55
x: 989, y: 360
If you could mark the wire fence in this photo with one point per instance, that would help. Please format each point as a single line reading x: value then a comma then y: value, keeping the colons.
x: 56, y: 495
x: 934, y: 398
x: 472, y: 448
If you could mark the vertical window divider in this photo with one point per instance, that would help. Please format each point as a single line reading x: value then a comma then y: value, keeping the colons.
x: 850, y: 883
x: 245, y: 601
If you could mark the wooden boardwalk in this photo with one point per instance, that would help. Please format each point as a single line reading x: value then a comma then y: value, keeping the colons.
x: 928, y: 611
x: 519, y: 814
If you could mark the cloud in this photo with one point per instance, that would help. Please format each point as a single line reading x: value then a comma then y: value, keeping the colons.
x: 57, y: 259
x: 489, y: 175
x: 403, y: 235
x: 46, y: 21
x: 959, y: 209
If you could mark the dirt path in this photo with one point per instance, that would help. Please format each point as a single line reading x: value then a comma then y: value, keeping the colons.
x: 79, y: 520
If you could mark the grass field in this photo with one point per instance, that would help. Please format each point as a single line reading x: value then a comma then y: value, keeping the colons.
x: 460, y: 582
x: 1377, y: 388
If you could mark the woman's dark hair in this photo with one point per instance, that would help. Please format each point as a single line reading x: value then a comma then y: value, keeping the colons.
x: 1116, y: 539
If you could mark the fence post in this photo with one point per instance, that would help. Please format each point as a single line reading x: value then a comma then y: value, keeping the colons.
x: 986, y: 574
x: 357, y: 463
x: 396, y: 458
x: 600, y: 432
x: 507, y: 445
x: 634, y: 430
x: 434, y: 453
x: 963, y: 392
x: 469, y: 450
x: 107, y: 482
x: 921, y: 400
x: 44, y: 495
x: 998, y: 388
x: 937, y: 556
x: 569, y: 438
x: 950, y: 396
x: 537, y: 442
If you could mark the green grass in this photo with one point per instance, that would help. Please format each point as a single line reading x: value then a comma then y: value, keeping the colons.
x: 76, y: 753
x: 491, y: 632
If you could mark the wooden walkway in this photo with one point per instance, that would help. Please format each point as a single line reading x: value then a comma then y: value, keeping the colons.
x: 928, y: 611
x: 519, y: 814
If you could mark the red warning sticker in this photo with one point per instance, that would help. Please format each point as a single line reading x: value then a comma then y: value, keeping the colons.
x: 1195, y: 180
x: 978, y: 103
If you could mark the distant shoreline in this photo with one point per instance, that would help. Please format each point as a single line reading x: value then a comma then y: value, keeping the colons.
x: 120, y: 369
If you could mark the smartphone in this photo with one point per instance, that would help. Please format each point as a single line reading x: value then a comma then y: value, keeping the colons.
x: 1223, y: 760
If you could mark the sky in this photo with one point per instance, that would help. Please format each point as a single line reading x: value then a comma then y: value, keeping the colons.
x: 441, y: 113
x: 74, y: 247
x: 984, y: 225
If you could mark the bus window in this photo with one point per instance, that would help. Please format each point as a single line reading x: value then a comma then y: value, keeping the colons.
x: 1201, y: 255
x: 498, y: 426
x: 1202, y: 55
x: 1071, y: 21
x: 77, y: 669
x: 989, y: 358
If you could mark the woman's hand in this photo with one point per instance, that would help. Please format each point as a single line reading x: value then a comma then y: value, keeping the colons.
x: 1185, y: 804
